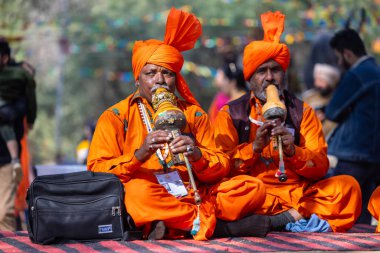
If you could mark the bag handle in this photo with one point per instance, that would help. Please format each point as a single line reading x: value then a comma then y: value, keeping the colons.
x: 68, y: 176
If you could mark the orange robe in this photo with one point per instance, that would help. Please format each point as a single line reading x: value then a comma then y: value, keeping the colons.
x: 112, y: 150
x: 335, y: 199
x: 20, y: 203
x: 374, y: 206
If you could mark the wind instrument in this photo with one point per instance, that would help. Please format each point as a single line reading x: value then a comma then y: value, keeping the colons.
x: 170, y: 118
x: 275, y: 109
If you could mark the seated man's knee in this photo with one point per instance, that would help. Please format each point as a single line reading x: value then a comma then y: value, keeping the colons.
x: 348, y: 182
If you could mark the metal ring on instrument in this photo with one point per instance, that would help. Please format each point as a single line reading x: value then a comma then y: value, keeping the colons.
x: 189, y: 148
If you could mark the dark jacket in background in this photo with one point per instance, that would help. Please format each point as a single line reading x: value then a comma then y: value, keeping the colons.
x: 355, y: 105
x: 16, y: 83
x: 4, y: 154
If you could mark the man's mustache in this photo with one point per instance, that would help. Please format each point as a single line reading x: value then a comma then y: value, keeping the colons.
x: 267, y: 83
x: 156, y: 86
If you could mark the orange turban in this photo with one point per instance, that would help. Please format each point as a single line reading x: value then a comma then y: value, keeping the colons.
x: 182, y: 31
x: 258, y: 52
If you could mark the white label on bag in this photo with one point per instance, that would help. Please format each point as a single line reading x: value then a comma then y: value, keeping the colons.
x: 105, y: 229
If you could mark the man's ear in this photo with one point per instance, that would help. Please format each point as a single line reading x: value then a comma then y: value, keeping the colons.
x: 348, y: 55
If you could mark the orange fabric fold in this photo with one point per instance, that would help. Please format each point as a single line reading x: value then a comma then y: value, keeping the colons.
x: 374, y: 206
x: 20, y: 203
x: 258, y: 52
x: 273, y: 25
x: 182, y: 31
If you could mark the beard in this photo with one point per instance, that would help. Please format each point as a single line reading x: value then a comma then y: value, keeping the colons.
x: 262, y: 96
x: 325, y: 92
x: 345, y: 65
x: 260, y: 91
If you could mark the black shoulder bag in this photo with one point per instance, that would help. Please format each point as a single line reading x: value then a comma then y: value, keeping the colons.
x: 81, y: 206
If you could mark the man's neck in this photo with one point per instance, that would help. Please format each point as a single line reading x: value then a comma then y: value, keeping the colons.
x: 359, y: 60
x: 235, y: 94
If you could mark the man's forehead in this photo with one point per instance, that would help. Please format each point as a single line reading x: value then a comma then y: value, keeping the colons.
x: 269, y: 64
x: 152, y: 66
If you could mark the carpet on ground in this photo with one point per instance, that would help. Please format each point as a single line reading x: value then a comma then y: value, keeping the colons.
x: 359, y: 238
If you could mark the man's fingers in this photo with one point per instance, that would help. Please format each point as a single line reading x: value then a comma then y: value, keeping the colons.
x: 288, y: 140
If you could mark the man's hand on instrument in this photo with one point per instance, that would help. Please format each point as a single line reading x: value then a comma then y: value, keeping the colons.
x: 184, y: 144
x: 263, y: 134
x: 153, y: 141
x: 287, y: 139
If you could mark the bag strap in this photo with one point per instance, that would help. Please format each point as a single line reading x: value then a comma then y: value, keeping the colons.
x: 132, y: 235
x: 28, y: 218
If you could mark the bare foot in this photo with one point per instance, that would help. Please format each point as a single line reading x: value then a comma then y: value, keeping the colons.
x: 295, y: 214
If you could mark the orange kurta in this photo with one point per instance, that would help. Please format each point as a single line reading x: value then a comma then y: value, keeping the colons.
x: 120, y: 132
x: 374, y: 206
x: 335, y: 199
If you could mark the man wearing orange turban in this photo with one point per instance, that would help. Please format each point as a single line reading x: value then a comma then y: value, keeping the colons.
x: 127, y: 145
x: 306, y: 201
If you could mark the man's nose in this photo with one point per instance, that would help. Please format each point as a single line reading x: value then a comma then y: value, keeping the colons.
x: 160, y: 78
x: 269, y: 76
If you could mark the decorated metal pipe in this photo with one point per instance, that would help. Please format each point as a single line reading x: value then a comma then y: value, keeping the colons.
x: 275, y: 109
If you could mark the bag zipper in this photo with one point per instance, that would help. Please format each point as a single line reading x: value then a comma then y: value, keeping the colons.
x: 114, y: 209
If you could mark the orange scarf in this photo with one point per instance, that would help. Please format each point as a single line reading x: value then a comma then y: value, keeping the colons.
x: 182, y: 31
x: 258, y: 52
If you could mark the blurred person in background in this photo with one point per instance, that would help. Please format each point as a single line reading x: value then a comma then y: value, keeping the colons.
x: 326, y: 78
x: 17, y: 100
x: 231, y: 85
x: 84, y: 145
x: 355, y: 107
x: 320, y: 52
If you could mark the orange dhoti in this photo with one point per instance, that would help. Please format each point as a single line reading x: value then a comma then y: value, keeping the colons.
x: 374, y: 206
x: 228, y: 200
x: 333, y: 199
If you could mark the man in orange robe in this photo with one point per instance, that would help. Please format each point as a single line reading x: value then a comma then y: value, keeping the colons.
x: 123, y: 145
x: 336, y: 200
x: 374, y: 206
